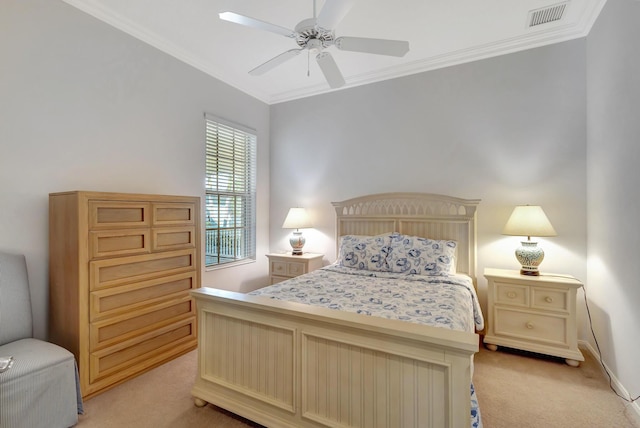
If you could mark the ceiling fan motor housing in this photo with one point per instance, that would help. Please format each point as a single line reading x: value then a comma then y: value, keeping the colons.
x: 310, y: 35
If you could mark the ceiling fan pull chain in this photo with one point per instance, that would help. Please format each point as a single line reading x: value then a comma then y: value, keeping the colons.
x: 308, y: 60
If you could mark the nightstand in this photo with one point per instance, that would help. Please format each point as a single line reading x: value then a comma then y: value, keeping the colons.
x: 285, y: 266
x: 533, y: 313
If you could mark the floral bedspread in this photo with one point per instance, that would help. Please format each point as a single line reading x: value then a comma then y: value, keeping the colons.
x: 442, y: 301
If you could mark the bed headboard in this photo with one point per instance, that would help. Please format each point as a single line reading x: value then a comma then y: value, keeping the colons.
x: 420, y: 214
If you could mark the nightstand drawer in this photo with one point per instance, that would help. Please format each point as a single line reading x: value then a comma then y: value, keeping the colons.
x: 276, y: 279
x: 512, y: 294
x: 530, y: 326
x: 280, y: 268
x: 295, y: 269
x: 550, y: 299
x: 288, y: 268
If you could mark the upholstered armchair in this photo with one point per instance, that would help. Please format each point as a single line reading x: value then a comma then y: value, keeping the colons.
x: 39, y: 388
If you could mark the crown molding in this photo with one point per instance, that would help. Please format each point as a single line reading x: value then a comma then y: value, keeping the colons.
x: 548, y: 36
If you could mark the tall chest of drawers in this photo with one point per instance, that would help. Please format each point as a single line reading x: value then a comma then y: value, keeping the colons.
x: 533, y: 313
x: 120, y: 270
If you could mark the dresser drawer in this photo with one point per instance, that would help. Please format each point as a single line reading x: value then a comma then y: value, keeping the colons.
x: 550, y: 299
x: 511, y: 294
x: 121, y: 328
x: 130, y: 297
x: 120, y: 361
x: 173, y: 238
x: 173, y: 214
x: 110, y: 243
x: 118, y: 214
x: 119, y: 271
x: 525, y: 325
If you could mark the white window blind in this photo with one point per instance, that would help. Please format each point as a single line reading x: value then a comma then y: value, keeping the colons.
x: 230, y: 193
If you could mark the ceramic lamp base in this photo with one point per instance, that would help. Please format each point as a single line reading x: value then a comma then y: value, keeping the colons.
x: 530, y: 256
x: 297, y: 241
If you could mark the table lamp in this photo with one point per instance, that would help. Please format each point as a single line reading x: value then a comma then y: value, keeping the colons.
x: 529, y: 220
x: 297, y: 219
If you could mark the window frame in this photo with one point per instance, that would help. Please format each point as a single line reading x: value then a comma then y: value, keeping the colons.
x: 222, y: 140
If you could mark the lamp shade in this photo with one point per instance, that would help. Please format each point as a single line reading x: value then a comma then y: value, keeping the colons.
x: 528, y: 220
x: 297, y: 218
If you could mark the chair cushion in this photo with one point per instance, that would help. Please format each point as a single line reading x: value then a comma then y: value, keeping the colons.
x: 15, y: 302
x: 40, y: 389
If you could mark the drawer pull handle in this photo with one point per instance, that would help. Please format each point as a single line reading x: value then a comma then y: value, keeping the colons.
x: 548, y: 299
x: 511, y: 295
x: 529, y: 325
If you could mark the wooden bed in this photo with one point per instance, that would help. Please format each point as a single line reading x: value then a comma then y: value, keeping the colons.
x: 285, y: 364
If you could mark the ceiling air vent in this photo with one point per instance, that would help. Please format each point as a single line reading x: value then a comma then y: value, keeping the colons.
x: 547, y: 14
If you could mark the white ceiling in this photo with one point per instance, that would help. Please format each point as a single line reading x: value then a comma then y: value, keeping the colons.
x: 440, y: 33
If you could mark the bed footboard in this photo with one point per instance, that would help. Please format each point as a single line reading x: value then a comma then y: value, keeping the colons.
x: 285, y: 364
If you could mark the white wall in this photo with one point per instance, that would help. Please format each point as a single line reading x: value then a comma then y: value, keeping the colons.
x: 508, y: 130
x: 613, y: 71
x: 86, y: 107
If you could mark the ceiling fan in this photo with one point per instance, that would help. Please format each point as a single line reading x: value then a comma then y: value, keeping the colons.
x: 316, y: 34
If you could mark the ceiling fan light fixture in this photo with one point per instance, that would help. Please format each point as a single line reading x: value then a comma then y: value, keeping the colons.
x: 314, y: 45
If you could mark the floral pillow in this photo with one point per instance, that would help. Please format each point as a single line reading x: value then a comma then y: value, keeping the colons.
x: 421, y: 256
x: 365, y: 252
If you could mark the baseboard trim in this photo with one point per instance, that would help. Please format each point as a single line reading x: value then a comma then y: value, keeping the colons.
x: 615, y: 383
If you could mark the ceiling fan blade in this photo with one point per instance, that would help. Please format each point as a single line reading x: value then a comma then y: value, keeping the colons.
x: 374, y: 46
x: 332, y: 13
x: 256, y: 23
x: 330, y: 70
x: 275, y: 61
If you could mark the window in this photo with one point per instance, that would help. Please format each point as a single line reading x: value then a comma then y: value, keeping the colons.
x: 230, y: 193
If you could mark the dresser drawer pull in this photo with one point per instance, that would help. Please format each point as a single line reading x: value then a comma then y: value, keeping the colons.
x: 529, y: 325
x: 511, y: 295
x: 548, y: 299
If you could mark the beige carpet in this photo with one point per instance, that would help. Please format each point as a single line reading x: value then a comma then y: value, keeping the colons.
x: 515, y: 390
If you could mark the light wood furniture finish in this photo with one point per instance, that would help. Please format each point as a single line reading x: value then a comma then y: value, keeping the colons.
x: 121, y: 267
x: 286, y: 266
x: 533, y: 313
x: 285, y: 364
